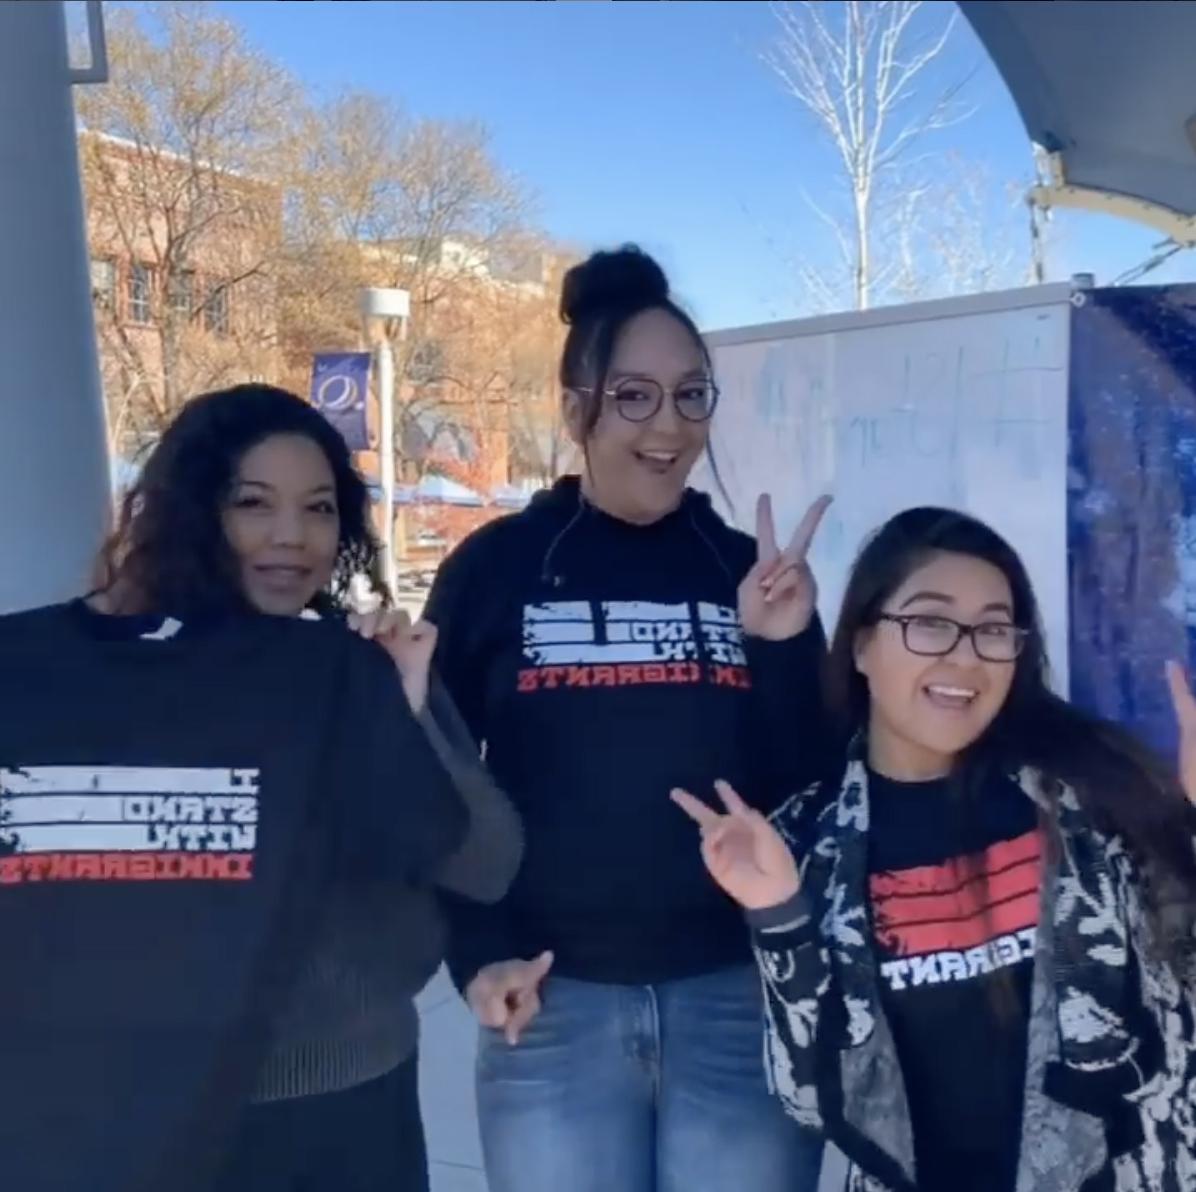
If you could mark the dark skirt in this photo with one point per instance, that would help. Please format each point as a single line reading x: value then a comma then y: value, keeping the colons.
x: 369, y: 1138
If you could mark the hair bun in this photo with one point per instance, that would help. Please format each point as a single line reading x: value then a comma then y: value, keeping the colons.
x: 623, y: 279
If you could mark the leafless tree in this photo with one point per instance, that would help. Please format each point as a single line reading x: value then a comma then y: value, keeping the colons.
x: 541, y: 448
x: 858, y: 69
x: 233, y: 223
x: 962, y: 232
x: 181, y: 154
x: 418, y: 205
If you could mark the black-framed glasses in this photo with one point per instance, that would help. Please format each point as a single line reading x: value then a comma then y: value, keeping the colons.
x: 933, y: 636
x: 638, y: 399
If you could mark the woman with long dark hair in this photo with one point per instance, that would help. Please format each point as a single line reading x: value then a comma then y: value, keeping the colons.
x: 615, y: 637
x: 977, y: 941
x: 248, y: 521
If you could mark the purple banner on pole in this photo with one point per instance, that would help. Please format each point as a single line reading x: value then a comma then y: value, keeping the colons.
x: 1131, y: 503
x: 340, y: 382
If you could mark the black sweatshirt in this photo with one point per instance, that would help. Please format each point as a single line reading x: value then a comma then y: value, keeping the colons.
x: 173, y: 810
x: 955, y: 912
x: 351, y: 1016
x: 602, y: 664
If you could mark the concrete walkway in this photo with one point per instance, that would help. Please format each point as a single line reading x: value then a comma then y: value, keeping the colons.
x: 446, y: 1092
x: 447, y: 1046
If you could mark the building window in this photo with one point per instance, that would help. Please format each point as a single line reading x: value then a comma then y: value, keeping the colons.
x: 215, y: 311
x: 182, y: 292
x: 427, y: 363
x: 103, y: 283
x: 140, y: 293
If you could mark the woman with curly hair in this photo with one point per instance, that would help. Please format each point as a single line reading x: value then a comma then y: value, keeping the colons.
x: 247, y: 523
x: 211, y: 496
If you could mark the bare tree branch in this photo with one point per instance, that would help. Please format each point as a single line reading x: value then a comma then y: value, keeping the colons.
x: 857, y: 69
x: 420, y: 206
x: 205, y: 165
x: 181, y: 165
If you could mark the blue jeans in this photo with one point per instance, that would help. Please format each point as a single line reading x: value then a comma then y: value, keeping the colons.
x: 616, y: 1088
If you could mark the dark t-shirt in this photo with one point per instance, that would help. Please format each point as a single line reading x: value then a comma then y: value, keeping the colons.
x: 174, y: 802
x: 955, y: 896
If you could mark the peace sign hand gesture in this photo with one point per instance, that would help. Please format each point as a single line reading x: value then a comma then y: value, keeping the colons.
x: 778, y: 596
x: 1185, y: 714
x: 742, y: 850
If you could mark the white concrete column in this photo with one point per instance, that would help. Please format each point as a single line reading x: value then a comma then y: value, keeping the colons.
x: 54, y: 487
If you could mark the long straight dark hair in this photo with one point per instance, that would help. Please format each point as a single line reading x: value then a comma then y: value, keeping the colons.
x: 1122, y: 786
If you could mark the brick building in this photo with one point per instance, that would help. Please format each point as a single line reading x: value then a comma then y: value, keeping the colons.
x: 193, y: 290
x: 183, y: 261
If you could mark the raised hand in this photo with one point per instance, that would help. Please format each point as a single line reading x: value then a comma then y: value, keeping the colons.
x: 410, y: 647
x: 505, y: 996
x: 778, y: 596
x: 1184, y: 703
x: 742, y: 850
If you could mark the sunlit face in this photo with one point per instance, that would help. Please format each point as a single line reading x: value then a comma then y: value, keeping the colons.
x: 925, y: 710
x: 637, y: 470
x: 282, y: 522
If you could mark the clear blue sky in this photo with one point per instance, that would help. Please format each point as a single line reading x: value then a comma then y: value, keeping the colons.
x: 649, y: 121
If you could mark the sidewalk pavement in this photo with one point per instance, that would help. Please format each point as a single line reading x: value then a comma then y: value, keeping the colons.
x: 446, y: 1089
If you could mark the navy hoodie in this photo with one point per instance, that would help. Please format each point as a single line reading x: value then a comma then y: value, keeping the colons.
x: 603, y: 664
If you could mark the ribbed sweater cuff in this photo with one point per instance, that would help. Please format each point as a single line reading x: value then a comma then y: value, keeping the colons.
x: 315, y: 1066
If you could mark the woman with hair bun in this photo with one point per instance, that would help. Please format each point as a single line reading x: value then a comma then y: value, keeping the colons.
x: 612, y: 641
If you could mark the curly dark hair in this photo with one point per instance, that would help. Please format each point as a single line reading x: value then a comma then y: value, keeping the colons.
x: 169, y: 553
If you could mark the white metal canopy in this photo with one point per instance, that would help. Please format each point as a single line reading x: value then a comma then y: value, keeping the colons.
x: 1108, y: 90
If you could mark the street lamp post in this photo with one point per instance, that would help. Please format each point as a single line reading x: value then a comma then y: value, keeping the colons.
x: 379, y: 305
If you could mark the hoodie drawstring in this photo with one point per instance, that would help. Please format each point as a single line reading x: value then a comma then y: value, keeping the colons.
x: 546, y: 574
x: 693, y: 521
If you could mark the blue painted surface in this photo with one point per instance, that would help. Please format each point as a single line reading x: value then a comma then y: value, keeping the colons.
x: 1132, y: 502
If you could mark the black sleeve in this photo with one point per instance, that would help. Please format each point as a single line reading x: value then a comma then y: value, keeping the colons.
x: 486, y: 862
x: 455, y: 606
x: 398, y: 814
x: 792, y: 740
x: 478, y: 935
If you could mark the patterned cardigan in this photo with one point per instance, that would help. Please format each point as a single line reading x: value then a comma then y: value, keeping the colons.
x: 1111, y: 1062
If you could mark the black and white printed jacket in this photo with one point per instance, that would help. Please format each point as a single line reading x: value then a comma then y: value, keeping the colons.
x: 1111, y: 1065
